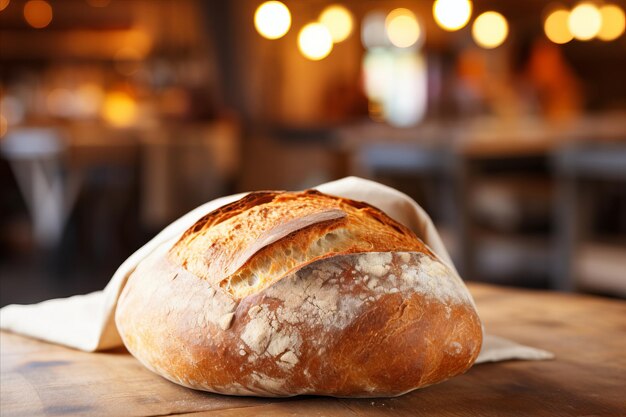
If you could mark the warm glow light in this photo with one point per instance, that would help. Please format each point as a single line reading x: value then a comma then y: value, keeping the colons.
x: 585, y: 21
x: 373, y: 30
x: 613, y: 22
x: 38, y: 13
x: 403, y: 30
x: 315, y: 42
x: 338, y: 21
x: 119, y: 109
x: 4, y: 4
x: 557, y: 28
x: 452, y: 14
x: 272, y: 19
x: 490, y: 30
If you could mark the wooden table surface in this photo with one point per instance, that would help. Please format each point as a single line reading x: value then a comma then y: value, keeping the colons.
x: 587, y: 378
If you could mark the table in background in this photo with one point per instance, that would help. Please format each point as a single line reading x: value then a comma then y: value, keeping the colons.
x: 587, y: 377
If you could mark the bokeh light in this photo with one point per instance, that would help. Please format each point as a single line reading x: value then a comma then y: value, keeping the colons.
x: 38, y: 13
x: 373, y: 32
x: 556, y: 27
x: 452, y: 15
x: 4, y: 4
x: 490, y: 30
x: 315, y: 41
x: 12, y: 109
x: 378, y: 74
x: 272, y: 19
x: 339, y: 22
x: 396, y: 85
x: 403, y: 29
x: 84, y: 101
x: 88, y: 98
x: 613, y: 22
x: 585, y: 21
x: 60, y: 102
x: 407, y: 101
x: 119, y: 109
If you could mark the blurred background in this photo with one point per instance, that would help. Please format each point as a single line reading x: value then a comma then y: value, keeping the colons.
x: 505, y: 120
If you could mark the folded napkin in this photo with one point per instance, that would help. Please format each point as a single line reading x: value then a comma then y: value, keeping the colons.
x: 86, y: 322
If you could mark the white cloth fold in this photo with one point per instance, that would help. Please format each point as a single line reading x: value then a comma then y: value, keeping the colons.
x: 86, y: 322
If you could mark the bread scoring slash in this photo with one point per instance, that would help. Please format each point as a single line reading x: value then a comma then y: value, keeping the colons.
x: 282, y: 294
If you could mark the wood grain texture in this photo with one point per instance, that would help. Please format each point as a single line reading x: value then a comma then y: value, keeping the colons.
x: 587, y: 334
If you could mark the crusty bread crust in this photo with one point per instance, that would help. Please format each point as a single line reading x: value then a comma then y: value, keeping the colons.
x: 373, y: 319
x: 212, y: 249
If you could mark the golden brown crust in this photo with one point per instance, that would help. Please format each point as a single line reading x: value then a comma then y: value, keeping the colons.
x: 212, y: 249
x: 342, y: 326
x: 281, y: 294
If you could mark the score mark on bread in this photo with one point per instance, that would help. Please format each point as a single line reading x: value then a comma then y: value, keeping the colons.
x: 250, y: 244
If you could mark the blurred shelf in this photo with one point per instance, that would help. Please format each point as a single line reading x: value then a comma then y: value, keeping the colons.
x: 511, y: 203
x: 512, y: 257
x: 82, y: 44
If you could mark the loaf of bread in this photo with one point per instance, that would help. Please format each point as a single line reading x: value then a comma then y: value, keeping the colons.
x: 281, y: 294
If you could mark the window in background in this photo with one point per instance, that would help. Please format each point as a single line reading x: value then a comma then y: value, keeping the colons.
x: 394, y: 67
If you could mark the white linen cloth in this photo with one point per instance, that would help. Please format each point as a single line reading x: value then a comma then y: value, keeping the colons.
x: 86, y: 322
